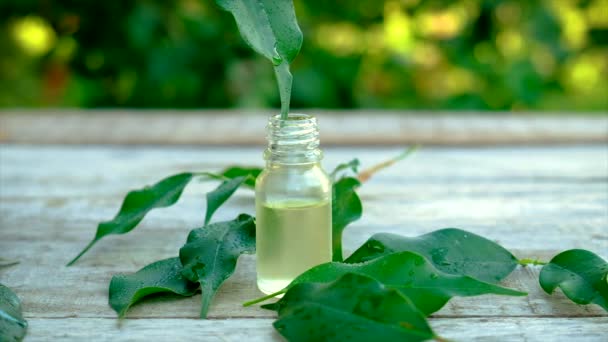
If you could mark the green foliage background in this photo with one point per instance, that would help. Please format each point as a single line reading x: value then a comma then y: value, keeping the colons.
x: 409, y: 54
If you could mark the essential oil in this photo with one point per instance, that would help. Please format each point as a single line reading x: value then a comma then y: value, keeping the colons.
x: 291, y: 238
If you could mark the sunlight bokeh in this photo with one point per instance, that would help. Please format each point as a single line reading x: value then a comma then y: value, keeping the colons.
x: 413, y: 54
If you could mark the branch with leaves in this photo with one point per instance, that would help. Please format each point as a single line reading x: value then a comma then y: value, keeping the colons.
x: 408, y: 278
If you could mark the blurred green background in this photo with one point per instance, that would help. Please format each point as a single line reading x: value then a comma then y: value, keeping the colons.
x: 468, y: 54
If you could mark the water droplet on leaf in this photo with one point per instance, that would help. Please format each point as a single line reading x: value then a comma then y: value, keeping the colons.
x: 276, y: 58
x: 438, y: 256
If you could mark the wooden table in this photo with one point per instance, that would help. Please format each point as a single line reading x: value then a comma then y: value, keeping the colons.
x: 535, y: 200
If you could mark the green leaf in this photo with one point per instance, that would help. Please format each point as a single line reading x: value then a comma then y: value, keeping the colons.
x: 451, y: 250
x: 210, y: 254
x: 346, y: 208
x: 412, y: 275
x: 250, y: 174
x: 353, y: 308
x: 163, y: 276
x: 582, y: 276
x: 271, y: 29
x: 12, y: 325
x: 221, y: 194
x: 352, y: 167
x: 137, y: 204
x: 268, y: 26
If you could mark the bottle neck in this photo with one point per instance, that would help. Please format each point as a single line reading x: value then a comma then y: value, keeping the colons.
x: 293, y: 141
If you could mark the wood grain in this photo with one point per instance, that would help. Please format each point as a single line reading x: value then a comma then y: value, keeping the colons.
x: 337, y: 127
x: 253, y: 330
x: 535, y: 201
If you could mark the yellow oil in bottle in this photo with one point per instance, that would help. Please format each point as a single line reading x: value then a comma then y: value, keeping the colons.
x: 292, y: 236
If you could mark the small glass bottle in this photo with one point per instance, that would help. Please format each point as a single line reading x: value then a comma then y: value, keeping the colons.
x: 293, y: 203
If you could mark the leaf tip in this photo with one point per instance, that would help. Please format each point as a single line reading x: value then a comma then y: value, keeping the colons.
x: 86, y: 249
x: 521, y: 293
x: 73, y: 261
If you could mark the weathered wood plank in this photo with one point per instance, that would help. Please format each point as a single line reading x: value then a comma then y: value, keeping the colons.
x: 337, y: 127
x: 514, y: 222
x: 535, y: 201
x: 100, y: 171
x: 508, y: 193
x: 82, y: 291
x: 462, y: 329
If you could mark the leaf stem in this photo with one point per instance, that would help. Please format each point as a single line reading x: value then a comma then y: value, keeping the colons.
x: 528, y: 261
x: 81, y: 253
x: 205, y: 306
x: 337, y: 255
x: 265, y: 298
x: 368, y: 173
x: 284, y: 82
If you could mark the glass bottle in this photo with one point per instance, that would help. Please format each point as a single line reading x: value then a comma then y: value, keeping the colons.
x: 293, y: 203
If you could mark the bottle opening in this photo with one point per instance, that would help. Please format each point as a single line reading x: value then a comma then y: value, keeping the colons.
x: 295, y: 117
x: 293, y: 140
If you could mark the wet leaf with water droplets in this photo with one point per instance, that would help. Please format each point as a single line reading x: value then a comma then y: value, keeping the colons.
x: 582, y: 276
x: 163, y: 276
x: 271, y: 29
x: 267, y: 26
x: 210, y: 254
x: 451, y: 250
x: 410, y: 274
x: 352, y: 308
